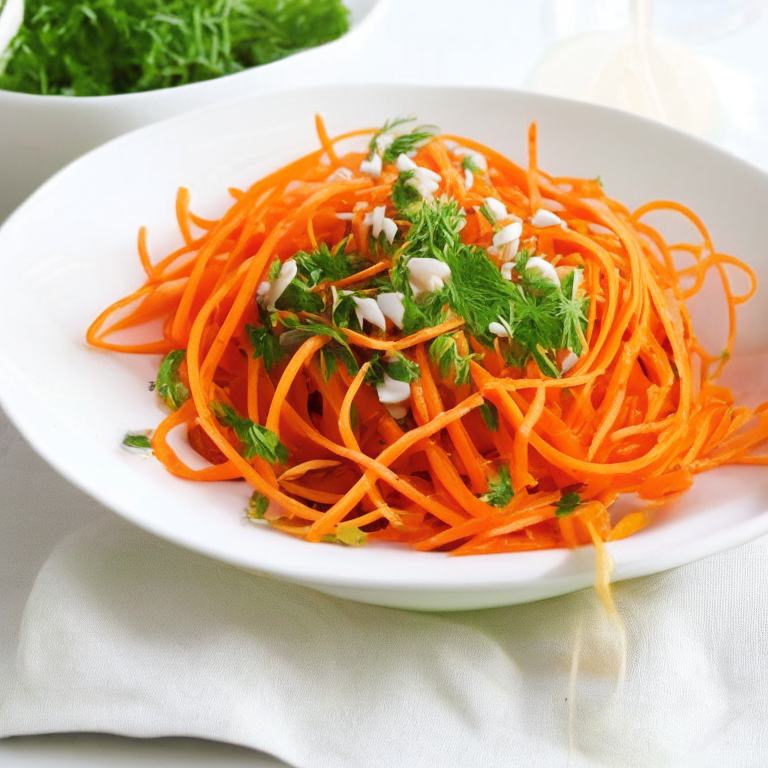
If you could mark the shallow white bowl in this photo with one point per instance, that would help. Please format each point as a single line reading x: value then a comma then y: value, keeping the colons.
x: 70, y: 250
x: 40, y: 134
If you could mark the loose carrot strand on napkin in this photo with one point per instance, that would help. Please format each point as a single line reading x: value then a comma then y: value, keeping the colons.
x: 640, y: 411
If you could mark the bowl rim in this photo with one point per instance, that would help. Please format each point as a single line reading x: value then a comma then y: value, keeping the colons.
x: 375, y: 7
x: 16, y: 408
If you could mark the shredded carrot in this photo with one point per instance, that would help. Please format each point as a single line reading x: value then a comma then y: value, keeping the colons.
x: 514, y: 454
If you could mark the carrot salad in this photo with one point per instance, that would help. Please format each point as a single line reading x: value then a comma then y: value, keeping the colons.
x: 423, y: 342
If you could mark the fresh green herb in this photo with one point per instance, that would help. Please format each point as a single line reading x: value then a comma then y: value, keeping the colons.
x: 599, y: 180
x: 725, y: 355
x: 322, y: 265
x: 348, y: 535
x: 445, y: 352
x: 297, y: 297
x: 435, y: 230
x: 102, y: 47
x: 400, y: 369
x: 170, y: 387
x: 568, y: 504
x: 573, y: 315
x: 468, y: 164
x: 298, y: 332
x: 332, y: 354
x: 344, y: 310
x: 486, y: 211
x: 137, y: 440
x: 405, y: 142
x: 274, y: 270
x: 490, y: 415
x: 404, y: 195
x: 265, y: 345
x: 258, y: 505
x: 500, y: 493
x: 256, y: 440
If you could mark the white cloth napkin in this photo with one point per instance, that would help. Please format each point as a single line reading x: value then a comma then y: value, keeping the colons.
x: 128, y: 634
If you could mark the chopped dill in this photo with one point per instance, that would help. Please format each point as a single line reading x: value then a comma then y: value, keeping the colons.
x: 445, y: 352
x: 103, y: 47
x: 405, y: 142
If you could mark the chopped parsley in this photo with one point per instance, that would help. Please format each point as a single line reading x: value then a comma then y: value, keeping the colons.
x: 500, y: 493
x: 138, y: 440
x: 331, y: 355
x: 323, y: 265
x: 400, y: 369
x: 258, y: 505
x: 256, y: 440
x: 299, y: 332
x: 568, y: 504
x: 265, y: 345
x: 490, y: 415
x: 169, y: 385
x: 297, y: 297
x: 102, y: 47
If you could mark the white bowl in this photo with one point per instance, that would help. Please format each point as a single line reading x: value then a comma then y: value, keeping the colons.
x: 70, y: 250
x: 40, y: 134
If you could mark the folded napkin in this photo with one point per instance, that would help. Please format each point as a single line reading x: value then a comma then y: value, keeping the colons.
x: 129, y: 634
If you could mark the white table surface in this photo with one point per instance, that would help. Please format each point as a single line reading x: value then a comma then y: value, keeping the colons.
x: 38, y: 508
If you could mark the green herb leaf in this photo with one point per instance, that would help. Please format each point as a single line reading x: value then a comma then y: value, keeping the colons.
x: 137, y: 440
x: 298, y: 332
x: 490, y: 415
x: 322, y: 265
x: 257, y: 506
x: 568, y: 504
x: 171, y: 389
x: 405, y: 142
x: 256, y: 440
x: 573, y: 315
x: 102, y: 47
x: 468, y: 164
x: 500, y: 493
x: 486, y: 211
x: 404, y: 195
x: 445, y: 353
x: 332, y: 354
x: 265, y: 345
x: 400, y: 369
x: 298, y: 298
x: 343, y: 312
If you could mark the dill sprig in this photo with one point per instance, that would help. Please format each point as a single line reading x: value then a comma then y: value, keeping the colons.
x: 404, y: 142
x: 102, y: 47
x: 445, y: 352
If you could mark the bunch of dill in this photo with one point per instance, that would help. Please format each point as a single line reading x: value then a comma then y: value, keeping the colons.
x: 102, y: 47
